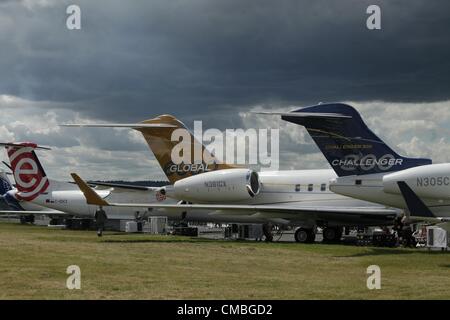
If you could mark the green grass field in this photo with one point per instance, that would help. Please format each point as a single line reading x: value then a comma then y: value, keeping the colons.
x: 33, y: 262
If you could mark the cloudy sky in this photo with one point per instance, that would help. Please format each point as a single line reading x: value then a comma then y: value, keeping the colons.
x: 215, y: 61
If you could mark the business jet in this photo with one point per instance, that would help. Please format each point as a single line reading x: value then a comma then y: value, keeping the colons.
x: 296, y: 197
x: 368, y: 169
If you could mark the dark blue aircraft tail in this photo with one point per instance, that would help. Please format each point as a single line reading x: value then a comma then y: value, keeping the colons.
x: 5, y: 184
x: 349, y: 145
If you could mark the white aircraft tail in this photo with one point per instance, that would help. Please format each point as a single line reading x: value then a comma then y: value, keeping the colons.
x: 31, y: 179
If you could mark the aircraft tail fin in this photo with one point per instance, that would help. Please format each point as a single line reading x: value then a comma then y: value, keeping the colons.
x: 164, y: 141
x: 348, y: 144
x: 31, y: 179
x: 165, y: 135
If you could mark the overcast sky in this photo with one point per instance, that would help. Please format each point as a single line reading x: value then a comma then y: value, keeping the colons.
x: 215, y: 61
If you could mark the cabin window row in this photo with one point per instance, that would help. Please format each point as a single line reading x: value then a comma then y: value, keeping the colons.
x: 298, y: 188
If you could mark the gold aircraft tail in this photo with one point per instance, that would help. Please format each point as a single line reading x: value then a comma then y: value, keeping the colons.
x: 167, y: 136
x: 176, y: 139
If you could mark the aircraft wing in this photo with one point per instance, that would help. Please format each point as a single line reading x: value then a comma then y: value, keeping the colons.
x: 274, y: 211
x: 36, y: 212
x: 122, y: 186
x: 418, y: 210
x: 267, y: 210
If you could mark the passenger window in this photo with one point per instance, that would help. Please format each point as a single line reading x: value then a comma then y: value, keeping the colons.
x: 323, y: 187
x: 297, y: 188
x: 310, y: 187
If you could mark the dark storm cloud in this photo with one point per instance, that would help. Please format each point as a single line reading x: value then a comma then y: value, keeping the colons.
x: 133, y: 60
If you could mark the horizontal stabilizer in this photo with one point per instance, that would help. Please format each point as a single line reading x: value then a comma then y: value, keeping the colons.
x: 23, y: 145
x: 121, y: 186
x: 33, y: 212
x: 306, y: 114
x: 119, y: 125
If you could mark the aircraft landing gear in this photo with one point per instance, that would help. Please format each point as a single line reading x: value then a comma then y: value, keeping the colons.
x: 305, y: 235
x: 27, y: 219
x: 267, y: 230
x: 332, y: 234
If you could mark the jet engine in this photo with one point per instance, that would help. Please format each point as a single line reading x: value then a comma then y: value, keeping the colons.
x: 228, y: 185
x: 429, y: 181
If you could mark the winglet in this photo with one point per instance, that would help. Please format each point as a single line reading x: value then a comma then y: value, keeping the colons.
x: 416, y: 206
x: 91, y: 196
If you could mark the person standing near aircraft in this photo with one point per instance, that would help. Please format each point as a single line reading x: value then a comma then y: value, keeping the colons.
x: 100, y: 220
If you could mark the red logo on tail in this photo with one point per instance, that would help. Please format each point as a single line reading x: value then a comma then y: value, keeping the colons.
x: 30, y: 178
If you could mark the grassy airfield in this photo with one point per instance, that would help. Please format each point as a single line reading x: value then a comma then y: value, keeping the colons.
x: 33, y: 262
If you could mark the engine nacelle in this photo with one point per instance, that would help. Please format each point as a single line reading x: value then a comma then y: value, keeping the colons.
x: 429, y: 181
x: 217, y: 186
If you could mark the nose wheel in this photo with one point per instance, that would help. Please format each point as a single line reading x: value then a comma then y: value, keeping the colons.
x: 27, y: 219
